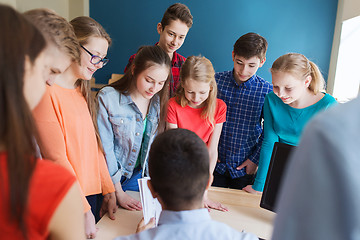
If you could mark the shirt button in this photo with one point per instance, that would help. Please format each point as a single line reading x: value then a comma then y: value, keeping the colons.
x: 126, y: 174
x: 133, y: 150
x: 121, y: 121
x: 138, y: 119
x: 137, y: 134
x: 129, y: 164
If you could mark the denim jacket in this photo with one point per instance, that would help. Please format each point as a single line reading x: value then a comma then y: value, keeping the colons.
x: 121, y: 128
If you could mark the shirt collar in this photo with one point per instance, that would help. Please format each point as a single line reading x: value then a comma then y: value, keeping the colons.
x: 246, y: 84
x: 189, y: 216
x: 126, y: 99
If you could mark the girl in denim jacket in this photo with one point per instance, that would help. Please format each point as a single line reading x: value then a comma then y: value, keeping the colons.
x: 131, y: 112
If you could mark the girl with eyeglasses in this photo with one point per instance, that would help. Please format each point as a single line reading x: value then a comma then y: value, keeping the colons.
x: 69, y: 134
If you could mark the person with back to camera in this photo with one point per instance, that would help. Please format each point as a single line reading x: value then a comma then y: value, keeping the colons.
x: 296, y: 98
x: 320, y: 195
x: 244, y: 93
x: 195, y: 107
x: 173, y: 28
x: 179, y: 172
x: 66, y: 119
x: 131, y: 112
x: 39, y: 199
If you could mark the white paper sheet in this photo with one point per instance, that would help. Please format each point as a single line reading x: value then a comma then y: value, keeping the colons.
x: 151, y: 206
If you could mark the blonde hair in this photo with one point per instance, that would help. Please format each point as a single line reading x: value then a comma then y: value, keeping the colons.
x: 56, y: 30
x: 85, y: 28
x: 199, y: 69
x: 301, y: 67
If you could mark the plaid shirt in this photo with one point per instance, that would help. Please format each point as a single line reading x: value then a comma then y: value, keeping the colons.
x: 242, y: 133
x: 176, y: 63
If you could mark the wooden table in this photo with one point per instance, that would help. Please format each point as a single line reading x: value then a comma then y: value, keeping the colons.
x: 244, y: 214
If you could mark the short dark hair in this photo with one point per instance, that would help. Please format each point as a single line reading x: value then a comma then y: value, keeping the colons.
x: 250, y: 45
x: 177, y: 11
x: 179, y: 168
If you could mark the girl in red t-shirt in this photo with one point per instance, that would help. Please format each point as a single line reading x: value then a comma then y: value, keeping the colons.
x: 195, y: 107
x: 38, y: 199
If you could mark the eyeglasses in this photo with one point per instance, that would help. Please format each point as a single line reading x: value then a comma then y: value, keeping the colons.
x: 96, y: 59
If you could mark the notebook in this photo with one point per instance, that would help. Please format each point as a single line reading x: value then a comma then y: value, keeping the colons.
x: 278, y: 162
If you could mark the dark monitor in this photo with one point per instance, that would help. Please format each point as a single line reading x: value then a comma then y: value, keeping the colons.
x: 279, y: 159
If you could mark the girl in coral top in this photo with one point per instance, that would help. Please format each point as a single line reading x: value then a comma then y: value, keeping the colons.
x: 131, y: 112
x: 24, y: 180
x: 195, y: 107
x: 68, y: 133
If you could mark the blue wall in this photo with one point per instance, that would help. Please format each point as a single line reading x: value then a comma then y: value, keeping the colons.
x: 304, y: 26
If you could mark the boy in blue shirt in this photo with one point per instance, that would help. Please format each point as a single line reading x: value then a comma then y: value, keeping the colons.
x: 179, y: 171
x: 244, y: 93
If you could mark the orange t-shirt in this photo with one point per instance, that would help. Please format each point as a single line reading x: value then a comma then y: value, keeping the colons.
x: 190, y: 118
x: 68, y: 137
x: 48, y: 186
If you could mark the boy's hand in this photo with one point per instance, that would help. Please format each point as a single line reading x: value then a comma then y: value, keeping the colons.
x: 249, y: 189
x: 142, y: 227
x: 109, y: 205
x: 249, y: 166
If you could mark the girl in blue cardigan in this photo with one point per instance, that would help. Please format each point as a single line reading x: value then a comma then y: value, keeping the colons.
x: 297, y: 96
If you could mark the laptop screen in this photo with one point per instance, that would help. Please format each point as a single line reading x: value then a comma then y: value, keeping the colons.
x: 279, y: 159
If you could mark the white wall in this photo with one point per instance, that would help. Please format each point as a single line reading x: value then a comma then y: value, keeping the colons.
x: 347, y: 9
x: 351, y: 9
x: 65, y: 8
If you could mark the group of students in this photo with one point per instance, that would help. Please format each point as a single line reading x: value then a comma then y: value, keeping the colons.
x: 108, y: 144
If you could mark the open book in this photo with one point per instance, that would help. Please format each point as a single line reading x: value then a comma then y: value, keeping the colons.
x: 151, y: 206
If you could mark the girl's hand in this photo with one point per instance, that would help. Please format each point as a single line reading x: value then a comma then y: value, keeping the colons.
x: 127, y: 202
x: 90, y: 227
x: 109, y: 205
x: 213, y: 205
x: 249, y: 189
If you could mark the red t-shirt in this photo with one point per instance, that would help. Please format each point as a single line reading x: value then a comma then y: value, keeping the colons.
x: 48, y: 186
x: 190, y: 118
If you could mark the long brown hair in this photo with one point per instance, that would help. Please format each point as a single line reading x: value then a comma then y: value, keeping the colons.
x: 85, y: 28
x: 19, y: 39
x: 147, y: 56
x: 301, y: 67
x: 199, y: 69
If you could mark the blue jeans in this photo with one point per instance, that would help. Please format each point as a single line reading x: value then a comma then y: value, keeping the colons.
x: 132, y: 183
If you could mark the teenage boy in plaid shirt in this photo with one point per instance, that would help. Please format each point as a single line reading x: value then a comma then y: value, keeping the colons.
x: 244, y: 93
x: 173, y: 28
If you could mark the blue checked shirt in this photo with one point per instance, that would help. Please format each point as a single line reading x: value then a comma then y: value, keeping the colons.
x: 242, y: 133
